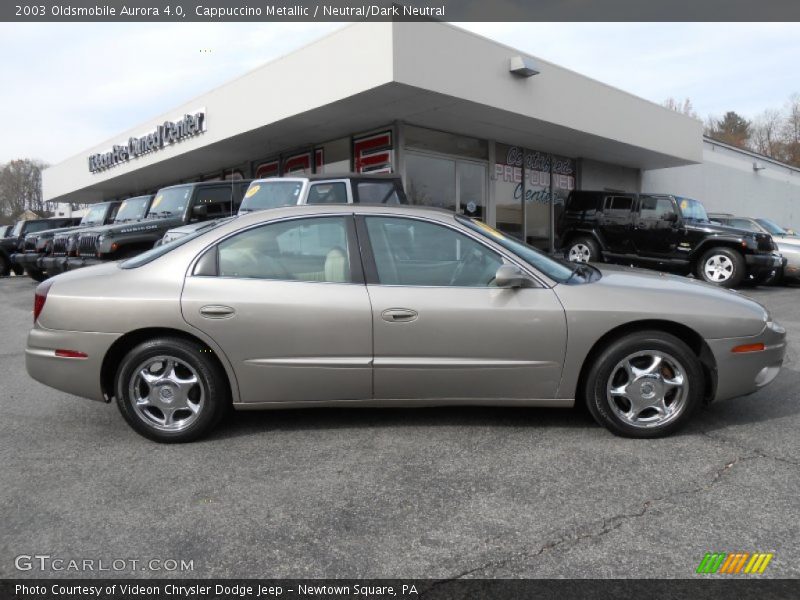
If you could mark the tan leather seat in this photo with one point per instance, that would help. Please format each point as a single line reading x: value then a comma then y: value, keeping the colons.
x: 336, y: 266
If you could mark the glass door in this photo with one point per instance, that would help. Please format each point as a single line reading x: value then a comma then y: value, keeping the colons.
x: 447, y: 182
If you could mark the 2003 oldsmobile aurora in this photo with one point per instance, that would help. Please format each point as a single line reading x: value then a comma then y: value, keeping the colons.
x: 360, y: 305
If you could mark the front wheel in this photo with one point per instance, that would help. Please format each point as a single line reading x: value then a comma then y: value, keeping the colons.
x: 5, y: 266
x: 36, y: 274
x: 721, y: 266
x: 644, y: 385
x: 170, y: 390
x: 582, y: 249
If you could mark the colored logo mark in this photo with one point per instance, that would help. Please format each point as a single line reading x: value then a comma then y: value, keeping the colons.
x: 734, y: 563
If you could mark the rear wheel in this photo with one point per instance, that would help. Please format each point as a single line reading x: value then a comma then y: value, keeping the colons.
x: 644, y: 385
x: 582, y: 249
x: 169, y: 390
x: 721, y: 266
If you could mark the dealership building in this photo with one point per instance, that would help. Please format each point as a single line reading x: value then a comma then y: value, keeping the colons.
x: 469, y: 124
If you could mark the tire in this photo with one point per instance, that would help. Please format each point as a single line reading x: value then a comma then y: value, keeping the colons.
x: 176, y: 410
x: 721, y: 266
x: 582, y: 249
x: 5, y: 266
x: 650, y: 402
x: 36, y: 274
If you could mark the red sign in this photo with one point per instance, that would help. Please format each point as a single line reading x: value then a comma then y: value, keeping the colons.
x: 373, y: 153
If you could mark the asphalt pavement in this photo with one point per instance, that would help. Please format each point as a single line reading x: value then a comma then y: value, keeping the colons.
x: 417, y: 493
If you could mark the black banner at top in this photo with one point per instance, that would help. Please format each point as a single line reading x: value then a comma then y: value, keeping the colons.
x: 397, y: 10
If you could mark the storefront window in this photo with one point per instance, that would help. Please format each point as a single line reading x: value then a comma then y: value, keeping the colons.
x: 431, y: 180
x: 530, y: 190
x: 508, y: 189
x: 445, y: 143
x: 537, y: 199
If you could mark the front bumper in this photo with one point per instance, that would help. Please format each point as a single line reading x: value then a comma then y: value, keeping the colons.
x: 78, y: 376
x: 53, y: 265
x: 78, y: 262
x: 24, y: 259
x: 759, y: 264
x: 739, y: 374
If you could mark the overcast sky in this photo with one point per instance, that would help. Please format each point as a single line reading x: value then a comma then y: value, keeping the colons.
x: 65, y: 88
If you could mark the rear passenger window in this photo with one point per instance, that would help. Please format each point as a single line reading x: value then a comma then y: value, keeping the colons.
x: 582, y: 203
x: 313, y: 249
x: 619, y: 204
x: 377, y: 192
x: 327, y: 193
x: 218, y: 200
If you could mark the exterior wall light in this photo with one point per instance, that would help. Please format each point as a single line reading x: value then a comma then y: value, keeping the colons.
x: 523, y: 66
x: 757, y: 166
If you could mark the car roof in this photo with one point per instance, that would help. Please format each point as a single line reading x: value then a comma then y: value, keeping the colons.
x: 327, y: 176
x: 344, y: 209
x: 204, y: 183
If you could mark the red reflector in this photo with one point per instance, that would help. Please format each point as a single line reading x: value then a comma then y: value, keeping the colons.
x: 39, y: 298
x: 749, y: 348
x: 71, y: 354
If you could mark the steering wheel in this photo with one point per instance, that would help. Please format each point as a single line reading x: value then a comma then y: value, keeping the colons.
x: 474, y: 257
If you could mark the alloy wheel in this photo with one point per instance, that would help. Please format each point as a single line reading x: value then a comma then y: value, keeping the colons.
x: 166, y: 393
x: 648, y: 389
x: 718, y: 268
x: 579, y: 253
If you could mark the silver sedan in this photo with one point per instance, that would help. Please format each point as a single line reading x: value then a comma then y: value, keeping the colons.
x: 379, y: 306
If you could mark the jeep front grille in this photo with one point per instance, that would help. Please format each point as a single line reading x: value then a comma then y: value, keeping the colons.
x: 87, y: 245
x: 59, y: 246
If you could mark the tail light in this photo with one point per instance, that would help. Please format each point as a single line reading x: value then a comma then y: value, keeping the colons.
x: 40, y: 297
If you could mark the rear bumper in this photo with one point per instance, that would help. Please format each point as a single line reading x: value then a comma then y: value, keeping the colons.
x: 739, y: 374
x: 78, y: 376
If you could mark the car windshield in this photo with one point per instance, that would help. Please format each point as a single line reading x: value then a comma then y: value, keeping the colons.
x: 132, y: 209
x: 771, y: 227
x: 170, y: 202
x: 94, y: 215
x: 17, y: 228
x: 271, y: 194
x: 159, y: 251
x: 554, y: 269
x: 692, y: 210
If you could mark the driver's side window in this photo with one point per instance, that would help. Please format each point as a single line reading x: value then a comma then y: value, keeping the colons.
x: 420, y: 253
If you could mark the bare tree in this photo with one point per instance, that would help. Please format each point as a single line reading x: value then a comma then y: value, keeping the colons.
x: 791, y: 131
x: 685, y: 108
x: 766, y: 135
x: 21, y: 187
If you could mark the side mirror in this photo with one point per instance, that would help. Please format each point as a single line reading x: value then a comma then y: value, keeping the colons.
x: 511, y: 276
x: 200, y: 211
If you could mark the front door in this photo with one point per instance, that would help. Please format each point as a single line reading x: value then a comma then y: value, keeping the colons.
x: 288, y: 306
x: 443, y: 331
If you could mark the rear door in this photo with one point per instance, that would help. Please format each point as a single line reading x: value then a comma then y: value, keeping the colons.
x: 442, y: 330
x: 617, y: 223
x: 656, y: 231
x: 287, y: 303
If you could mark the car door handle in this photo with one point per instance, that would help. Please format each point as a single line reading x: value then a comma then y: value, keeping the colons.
x: 217, y: 311
x: 399, y: 315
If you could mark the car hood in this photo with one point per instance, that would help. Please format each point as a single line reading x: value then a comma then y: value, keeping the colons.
x: 786, y: 240
x: 57, y: 230
x: 712, y: 228
x: 637, y: 294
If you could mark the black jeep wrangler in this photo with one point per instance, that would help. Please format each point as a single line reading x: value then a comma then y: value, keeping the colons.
x: 16, y: 239
x: 39, y: 245
x: 172, y: 207
x: 665, y: 232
